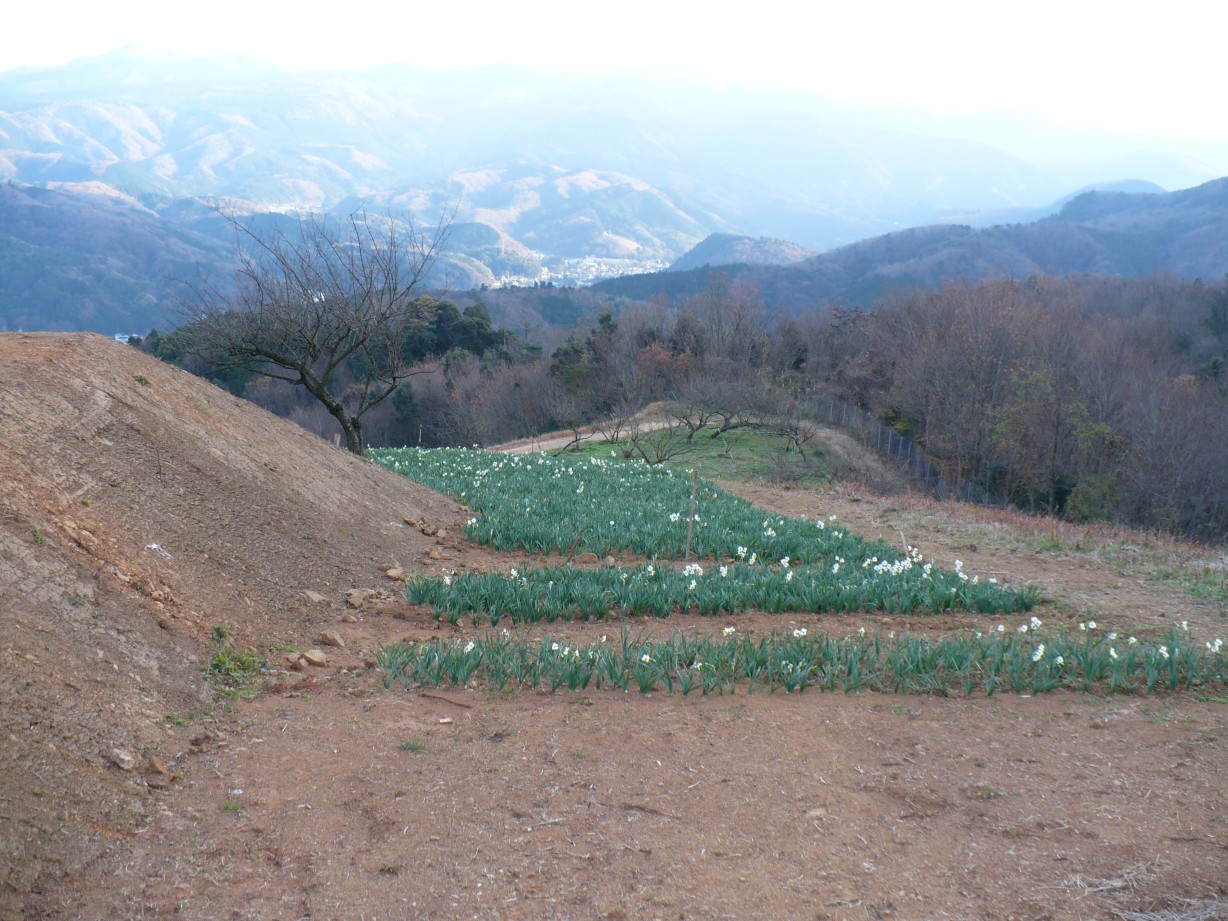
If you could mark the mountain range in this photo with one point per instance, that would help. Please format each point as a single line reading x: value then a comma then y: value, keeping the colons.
x: 1110, y: 233
x: 567, y: 180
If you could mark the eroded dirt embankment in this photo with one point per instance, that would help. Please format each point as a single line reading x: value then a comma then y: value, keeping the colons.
x: 140, y: 508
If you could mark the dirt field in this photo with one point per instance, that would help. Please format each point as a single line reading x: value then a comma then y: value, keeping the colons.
x: 142, y: 508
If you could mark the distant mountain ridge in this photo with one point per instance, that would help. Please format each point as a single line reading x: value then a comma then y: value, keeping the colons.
x: 730, y: 249
x: 675, y: 163
x: 91, y: 258
x: 565, y: 181
x: 72, y: 261
x: 1099, y: 233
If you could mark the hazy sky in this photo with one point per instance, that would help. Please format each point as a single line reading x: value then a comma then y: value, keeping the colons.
x: 1145, y: 68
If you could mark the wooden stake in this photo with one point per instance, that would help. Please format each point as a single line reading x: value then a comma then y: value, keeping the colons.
x: 690, y: 525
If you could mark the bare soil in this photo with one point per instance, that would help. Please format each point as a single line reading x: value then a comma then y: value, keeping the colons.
x: 141, y: 508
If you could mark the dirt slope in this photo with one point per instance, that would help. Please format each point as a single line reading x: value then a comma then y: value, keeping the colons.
x: 139, y: 508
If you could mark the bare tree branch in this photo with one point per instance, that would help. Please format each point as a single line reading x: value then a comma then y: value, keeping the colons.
x: 319, y: 298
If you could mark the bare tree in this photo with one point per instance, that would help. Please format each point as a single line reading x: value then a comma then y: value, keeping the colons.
x: 324, y: 304
x: 721, y: 397
x: 657, y: 442
x: 618, y: 421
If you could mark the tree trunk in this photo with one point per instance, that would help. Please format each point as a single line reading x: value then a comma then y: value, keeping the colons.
x: 352, y: 428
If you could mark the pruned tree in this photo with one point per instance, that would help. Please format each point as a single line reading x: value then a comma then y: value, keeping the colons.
x: 660, y: 440
x: 723, y: 396
x: 618, y: 421
x: 325, y: 304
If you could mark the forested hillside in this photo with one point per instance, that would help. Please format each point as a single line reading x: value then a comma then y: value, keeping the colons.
x: 1094, y: 399
x: 99, y: 262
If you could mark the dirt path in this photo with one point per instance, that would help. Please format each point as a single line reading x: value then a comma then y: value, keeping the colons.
x: 647, y: 421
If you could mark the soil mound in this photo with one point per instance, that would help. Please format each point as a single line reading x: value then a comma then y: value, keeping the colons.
x: 141, y: 507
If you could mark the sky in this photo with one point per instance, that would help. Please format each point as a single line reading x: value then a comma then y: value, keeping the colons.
x: 1145, y: 69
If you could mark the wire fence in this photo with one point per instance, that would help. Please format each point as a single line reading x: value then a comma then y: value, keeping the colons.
x: 904, y: 455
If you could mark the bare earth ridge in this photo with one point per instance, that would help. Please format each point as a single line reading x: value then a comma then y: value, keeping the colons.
x: 141, y: 508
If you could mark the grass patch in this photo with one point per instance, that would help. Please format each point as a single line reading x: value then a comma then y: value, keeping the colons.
x: 234, y: 665
x: 741, y: 455
x: 235, y: 670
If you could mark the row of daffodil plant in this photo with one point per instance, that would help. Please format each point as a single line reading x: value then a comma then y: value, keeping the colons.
x: 559, y: 504
x: 1022, y: 661
x: 747, y: 561
x: 552, y: 593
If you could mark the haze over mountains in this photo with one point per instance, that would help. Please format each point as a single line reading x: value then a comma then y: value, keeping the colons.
x: 579, y: 178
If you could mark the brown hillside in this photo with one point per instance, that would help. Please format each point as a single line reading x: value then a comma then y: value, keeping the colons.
x: 140, y: 507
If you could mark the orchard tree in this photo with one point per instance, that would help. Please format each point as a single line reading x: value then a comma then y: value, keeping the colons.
x: 327, y: 304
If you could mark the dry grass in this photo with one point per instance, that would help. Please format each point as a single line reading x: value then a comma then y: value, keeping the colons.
x: 1127, y: 885
x: 1200, y: 569
x: 1206, y: 910
x: 1128, y: 879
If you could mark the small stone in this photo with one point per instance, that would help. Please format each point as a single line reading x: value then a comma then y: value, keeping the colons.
x: 157, y: 766
x: 315, y: 597
x: 441, y: 535
x: 610, y: 561
x: 123, y: 760
x: 331, y: 638
x: 396, y: 573
x: 210, y: 738
x: 349, y: 619
x: 315, y: 657
x: 356, y: 597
